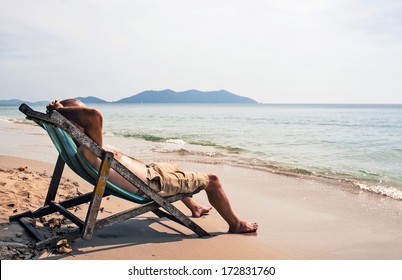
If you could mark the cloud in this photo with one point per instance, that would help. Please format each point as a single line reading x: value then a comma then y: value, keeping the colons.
x: 272, y: 51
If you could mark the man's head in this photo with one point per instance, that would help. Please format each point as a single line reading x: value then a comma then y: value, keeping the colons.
x: 72, y: 103
x: 57, y: 104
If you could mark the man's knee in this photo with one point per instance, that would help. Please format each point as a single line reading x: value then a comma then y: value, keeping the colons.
x: 213, y: 181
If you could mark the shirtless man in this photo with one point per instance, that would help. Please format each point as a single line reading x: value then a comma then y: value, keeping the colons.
x: 158, y: 176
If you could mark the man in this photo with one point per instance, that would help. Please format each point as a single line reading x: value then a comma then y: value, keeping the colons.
x: 166, y: 179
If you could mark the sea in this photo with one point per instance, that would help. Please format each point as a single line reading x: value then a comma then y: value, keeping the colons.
x: 358, y: 144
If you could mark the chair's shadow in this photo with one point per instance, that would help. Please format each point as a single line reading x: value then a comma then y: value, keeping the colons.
x: 130, y: 233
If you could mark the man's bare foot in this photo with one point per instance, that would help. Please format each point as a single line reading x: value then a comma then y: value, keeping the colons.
x: 196, y: 208
x: 200, y: 210
x: 244, y: 227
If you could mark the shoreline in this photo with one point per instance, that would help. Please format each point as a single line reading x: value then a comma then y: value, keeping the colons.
x: 299, y: 219
x: 39, y: 141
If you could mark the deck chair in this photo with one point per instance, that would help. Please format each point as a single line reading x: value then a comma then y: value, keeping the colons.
x: 64, y: 136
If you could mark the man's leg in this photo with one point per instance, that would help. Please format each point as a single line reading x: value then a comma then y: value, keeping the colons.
x: 197, y: 209
x: 219, y: 200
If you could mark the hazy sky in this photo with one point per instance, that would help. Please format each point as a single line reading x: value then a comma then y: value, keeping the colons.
x: 303, y: 51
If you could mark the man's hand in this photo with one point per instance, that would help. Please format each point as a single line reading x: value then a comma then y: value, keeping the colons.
x: 54, y: 105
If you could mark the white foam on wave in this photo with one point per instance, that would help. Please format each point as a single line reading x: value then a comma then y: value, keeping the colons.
x: 176, y: 141
x: 383, y: 190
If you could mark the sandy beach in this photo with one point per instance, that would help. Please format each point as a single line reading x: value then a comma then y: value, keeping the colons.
x: 300, y: 218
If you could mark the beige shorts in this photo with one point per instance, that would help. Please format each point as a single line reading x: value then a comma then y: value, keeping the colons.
x: 164, y: 179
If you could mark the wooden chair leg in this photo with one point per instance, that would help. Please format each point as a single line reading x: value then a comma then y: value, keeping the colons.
x: 54, y: 183
x: 99, y: 190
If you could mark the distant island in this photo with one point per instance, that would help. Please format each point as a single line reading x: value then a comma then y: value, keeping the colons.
x: 163, y: 96
x: 18, y: 102
x: 189, y: 96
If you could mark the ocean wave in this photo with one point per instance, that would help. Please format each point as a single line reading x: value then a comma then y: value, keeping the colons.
x: 333, y: 176
x: 17, y: 120
x: 176, y: 141
x: 179, y: 141
x: 185, y: 152
x: 387, y: 191
x: 144, y: 136
x: 278, y: 168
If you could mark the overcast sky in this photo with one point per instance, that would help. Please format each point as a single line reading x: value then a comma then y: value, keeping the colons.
x: 274, y: 51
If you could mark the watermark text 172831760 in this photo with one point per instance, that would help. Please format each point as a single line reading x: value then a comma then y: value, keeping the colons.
x: 236, y: 270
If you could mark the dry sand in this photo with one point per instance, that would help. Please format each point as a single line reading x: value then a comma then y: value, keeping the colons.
x: 23, y: 187
x: 299, y: 218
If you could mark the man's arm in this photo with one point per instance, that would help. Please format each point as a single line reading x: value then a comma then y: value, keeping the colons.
x: 89, y: 120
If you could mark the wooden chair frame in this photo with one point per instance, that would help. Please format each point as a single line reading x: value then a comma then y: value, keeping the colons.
x: 161, y: 206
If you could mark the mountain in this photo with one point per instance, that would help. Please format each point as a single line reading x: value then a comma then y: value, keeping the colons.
x: 91, y: 99
x: 189, y: 96
x: 87, y: 100
x: 10, y: 102
x: 163, y: 96
x: 19, y: 102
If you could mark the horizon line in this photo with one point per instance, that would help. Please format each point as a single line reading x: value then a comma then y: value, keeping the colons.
x: 19, y: 101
